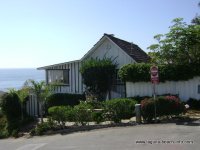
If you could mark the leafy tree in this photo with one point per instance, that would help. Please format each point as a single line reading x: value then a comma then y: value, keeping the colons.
x: 196, y: 20
x: 22, y: 95
x: 41, y: 91
x: 180, y: 46
x: 97, y: 76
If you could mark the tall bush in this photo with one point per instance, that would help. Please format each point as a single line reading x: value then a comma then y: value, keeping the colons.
x: 12, y: 109
x: 97, y: 76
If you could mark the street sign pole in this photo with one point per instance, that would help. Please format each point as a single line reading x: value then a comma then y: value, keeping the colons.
x: 154, y: 97
x: 154, y: 80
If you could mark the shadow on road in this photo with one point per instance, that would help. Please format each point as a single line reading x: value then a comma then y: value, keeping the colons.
x: 179, y: 121
x: 195, y: 122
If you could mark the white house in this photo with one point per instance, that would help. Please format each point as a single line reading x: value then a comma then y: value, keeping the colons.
x: 109, y: 46
x: 123, y: 52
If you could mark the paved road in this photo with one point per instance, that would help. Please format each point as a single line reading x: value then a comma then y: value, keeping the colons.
x: 141, y: 137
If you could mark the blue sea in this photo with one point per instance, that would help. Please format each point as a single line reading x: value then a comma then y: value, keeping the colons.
x: 15, y: 78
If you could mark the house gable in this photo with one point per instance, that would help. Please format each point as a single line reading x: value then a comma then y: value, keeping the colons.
x: 131, y: 49
x: 106, y: 48
x: 119, y: 50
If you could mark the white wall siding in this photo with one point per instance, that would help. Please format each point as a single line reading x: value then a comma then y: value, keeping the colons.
x: 110, y: 50
x: 80, y: 79
x: 61, y: 89
x: 185, y: 89
x: 75, y: 79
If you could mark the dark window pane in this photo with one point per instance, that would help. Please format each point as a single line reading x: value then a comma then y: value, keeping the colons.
x: 66, y: 76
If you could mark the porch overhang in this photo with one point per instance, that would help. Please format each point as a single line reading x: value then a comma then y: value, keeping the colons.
x: 60, y: 66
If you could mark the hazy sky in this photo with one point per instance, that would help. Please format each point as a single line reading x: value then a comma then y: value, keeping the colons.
x: 36, y: 33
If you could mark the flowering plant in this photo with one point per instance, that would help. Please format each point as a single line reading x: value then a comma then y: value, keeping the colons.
x: 165, y: 106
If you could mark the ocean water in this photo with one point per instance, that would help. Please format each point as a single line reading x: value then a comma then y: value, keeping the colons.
x: 15, y: 78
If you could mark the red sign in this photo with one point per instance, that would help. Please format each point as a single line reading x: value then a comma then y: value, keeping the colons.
x: 154, y: 75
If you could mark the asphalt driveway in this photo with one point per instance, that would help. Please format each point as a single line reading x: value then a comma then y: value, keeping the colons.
x: 141, y: 137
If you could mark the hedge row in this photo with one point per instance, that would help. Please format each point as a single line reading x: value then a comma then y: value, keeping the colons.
x: 112, y: 110
x: 141, y: 72
x: 64, y: 99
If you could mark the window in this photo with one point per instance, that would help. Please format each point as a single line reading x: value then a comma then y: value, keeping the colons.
x: 58, y: 76
x: 66, y: 76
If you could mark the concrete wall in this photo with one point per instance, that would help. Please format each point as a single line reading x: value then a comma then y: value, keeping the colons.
x: 185, y: 89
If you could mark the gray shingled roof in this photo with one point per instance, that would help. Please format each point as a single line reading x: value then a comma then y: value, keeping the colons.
x: 131, y: 49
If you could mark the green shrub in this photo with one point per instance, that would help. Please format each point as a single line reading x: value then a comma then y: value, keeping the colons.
x: 32, y: 132
x: 4, y: 134
x: 94, y: 104
x: 194, y: 103
x: 141, y: 72
x: 3, y: 122
x: 148, y: 109
x: 97, y: 116
x: 98, y: 75
x: 3, y: 130
x: 174, y: 106
x: 64, y: 99
x: 15, y: 133
x: 41, y: 128
x: 12, y: 109
x: 165, y: 106
x: 61, y: 114
x: 1, y: 113
x: 82, y: 113
x: 117, y: 109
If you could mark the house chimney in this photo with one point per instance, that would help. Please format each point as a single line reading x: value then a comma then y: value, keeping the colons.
x: 109, y: 34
